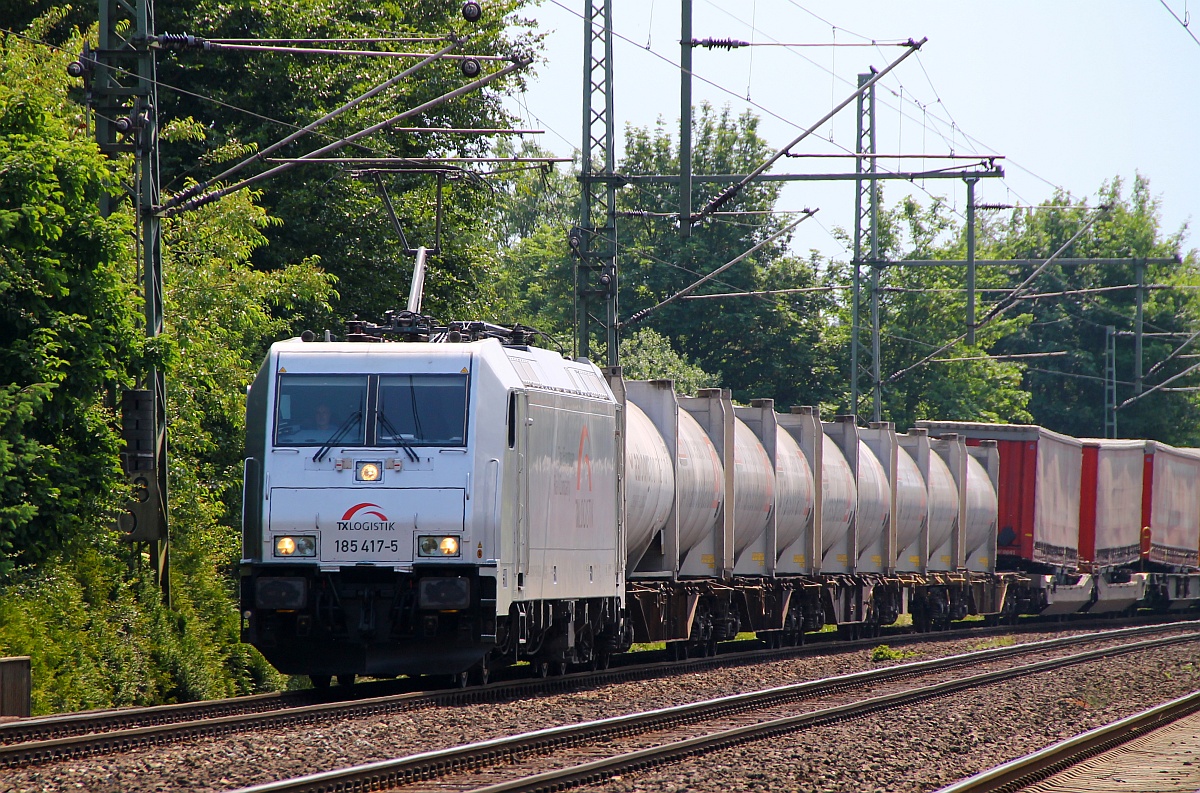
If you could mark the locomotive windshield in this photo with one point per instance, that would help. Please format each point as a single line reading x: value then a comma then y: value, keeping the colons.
x: 423, y: 409
x: 317, y: 409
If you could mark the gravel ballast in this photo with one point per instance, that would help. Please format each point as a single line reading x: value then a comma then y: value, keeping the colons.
x: 920, y: 748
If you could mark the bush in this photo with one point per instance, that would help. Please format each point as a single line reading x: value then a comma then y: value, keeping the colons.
x: 885, y: 653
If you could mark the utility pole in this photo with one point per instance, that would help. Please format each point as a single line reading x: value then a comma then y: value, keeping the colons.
x: 685, y: 120
x: 971, y: 180
x: 122, y: 94
x: 596, y: 245
x: 1140, y: 267
x: 1110, y: 381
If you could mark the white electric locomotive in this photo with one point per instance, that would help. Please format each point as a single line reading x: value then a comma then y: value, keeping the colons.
x: 400, y: 496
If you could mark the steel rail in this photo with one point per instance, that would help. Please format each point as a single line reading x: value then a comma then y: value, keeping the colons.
x: 1039, y: 765
x: 382, y: 775
x: 45, y: 739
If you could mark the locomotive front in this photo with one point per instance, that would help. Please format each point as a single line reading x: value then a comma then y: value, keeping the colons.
x: 360, y: 555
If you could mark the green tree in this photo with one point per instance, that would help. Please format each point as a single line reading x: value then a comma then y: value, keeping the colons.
x: 767, y: 346
x: 65, y: 315
x: 222, y: 316
x: 921, y: 309
x: 333, y: 212
x: 530, y: 220
x: 72, y: 595
x: 1068, y: 390
x: 648, y: 355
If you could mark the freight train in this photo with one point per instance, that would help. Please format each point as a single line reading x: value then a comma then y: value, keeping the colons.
x: 428, y: 498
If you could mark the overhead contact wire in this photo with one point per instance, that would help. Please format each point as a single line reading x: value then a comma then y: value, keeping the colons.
x: 261, y: 155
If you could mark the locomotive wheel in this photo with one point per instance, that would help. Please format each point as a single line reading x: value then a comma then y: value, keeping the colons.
x: 320, y: 681
x: 346, y: 679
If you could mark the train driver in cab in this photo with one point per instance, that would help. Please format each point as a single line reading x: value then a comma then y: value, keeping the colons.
x: 319, y: 427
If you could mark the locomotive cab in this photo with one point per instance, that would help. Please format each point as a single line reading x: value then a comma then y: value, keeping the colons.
x: 361, y: 555
x: 413, y: 508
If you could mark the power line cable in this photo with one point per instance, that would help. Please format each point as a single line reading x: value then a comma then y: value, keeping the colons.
x: 703, y: 79
x: 1183, y: 22
x: 1008, y: 302
x: 833, y: 74
x: 923, y: 108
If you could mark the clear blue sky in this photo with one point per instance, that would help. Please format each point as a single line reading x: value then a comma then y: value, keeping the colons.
x: 1071, y: 92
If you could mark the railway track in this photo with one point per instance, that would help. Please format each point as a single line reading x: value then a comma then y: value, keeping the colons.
x: 82, y: 723
x: 567, y: 756
x: 34, y: 742
x: 1088, y: 759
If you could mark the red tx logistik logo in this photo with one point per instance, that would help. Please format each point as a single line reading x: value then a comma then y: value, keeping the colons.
x: 584, y: 458
x: 348, y: 523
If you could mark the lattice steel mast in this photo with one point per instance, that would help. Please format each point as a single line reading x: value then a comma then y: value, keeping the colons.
x: 596, y: 245
x: 866, y: 206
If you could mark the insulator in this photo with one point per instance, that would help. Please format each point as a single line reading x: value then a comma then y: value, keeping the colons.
x: 471, y: 11
x: 182, y: 41
x: 720, y: 44
x: 470, y: 67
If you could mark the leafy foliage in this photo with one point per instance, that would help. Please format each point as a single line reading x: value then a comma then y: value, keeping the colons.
x: 72, y: 596
x: 530, y: 221
x: 885, y: 652
x: 767, y: 346
x: 1068, y: 391
x: 327, y: 211
x: 922, y: 308
x: 648, y: 356
x: 223, y: 316
x: 65, y: 315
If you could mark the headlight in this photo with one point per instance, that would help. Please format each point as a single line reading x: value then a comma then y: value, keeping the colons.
x: 368, y: 472
x: 289, y: 545
x: 437, y: 545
